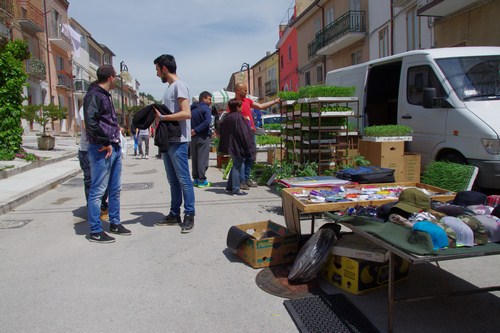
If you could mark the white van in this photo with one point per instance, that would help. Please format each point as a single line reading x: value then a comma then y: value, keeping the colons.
x: 450, y: 97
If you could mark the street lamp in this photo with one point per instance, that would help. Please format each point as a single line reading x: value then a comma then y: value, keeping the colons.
x: 247, y: 67
x: 123, y: 68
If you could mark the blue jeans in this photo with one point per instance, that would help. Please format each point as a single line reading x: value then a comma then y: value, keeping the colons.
x: 236, y: 174
x: 176, y: 164
x: 106, y: 173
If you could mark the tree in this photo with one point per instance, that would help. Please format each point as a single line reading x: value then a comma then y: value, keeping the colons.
x: 42, y: 114
x: 12, y: 81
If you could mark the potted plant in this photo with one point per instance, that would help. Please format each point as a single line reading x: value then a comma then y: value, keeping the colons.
x: 382, y: 133
x: 43, y: 114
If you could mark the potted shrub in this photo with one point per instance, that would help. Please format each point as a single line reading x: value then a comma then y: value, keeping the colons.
x: 43, y: 114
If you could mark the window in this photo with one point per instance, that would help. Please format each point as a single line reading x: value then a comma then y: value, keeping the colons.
x: 419, y: 78
x: 383, y: 42
x: 356, y: 57
x: 281, y: 60
x: 354, y: 5
x: 319, y: 73
x: 56, y: 23
x: 412, y: 30
x: 307, y: 78
x: 317, y: 25
x: 94, y: 55
x: 290, y: 52
x: 59, y: 63
x: 329, y: 16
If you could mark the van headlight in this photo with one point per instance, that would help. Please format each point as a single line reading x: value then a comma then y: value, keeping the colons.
x: 492, y: 146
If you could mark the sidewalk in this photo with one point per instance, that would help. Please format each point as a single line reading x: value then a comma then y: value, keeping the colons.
x: 22, y: 181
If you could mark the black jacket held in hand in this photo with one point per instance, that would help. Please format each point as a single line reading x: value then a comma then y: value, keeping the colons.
x: 164, y: 131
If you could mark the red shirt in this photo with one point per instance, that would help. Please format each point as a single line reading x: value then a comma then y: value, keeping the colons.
x: 246, y: 111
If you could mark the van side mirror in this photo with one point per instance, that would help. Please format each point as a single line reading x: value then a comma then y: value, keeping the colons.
x: 429, y: 98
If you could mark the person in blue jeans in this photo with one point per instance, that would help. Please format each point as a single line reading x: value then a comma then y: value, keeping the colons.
x: 105, y: 155
x: 235, y: 140
x: 175, y: 159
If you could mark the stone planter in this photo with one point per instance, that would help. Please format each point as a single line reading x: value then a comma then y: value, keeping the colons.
x: 46, y: 142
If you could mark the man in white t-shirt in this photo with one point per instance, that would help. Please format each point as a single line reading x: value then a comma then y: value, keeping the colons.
x: 175, y: 159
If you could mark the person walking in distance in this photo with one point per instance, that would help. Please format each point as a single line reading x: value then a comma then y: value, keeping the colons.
x: 247, y: 105
x: 201, y: 119
x: 105, y: 155
x: 175, y: 159
x: 143, y: 136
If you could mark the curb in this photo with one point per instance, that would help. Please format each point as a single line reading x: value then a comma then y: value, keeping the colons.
x: 35, y: 164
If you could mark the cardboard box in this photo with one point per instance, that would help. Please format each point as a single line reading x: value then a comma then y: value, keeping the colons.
x: 272, y: 244
x: 358, y: 247
x: 358, y: 276
x: 377, y: 151
x: 411, y: 167
x: 275, y: 154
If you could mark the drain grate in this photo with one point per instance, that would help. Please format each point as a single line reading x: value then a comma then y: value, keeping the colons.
x: 137, y: 186
x: 13, y: 224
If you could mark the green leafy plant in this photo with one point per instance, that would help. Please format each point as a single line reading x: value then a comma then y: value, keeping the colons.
x: 288, y: 95
x: 42, y: 114
x: 272, y: 127
x: 12, y: 81
x: 447, y: 175
x: 326, y: 91
x: 263, y: 140
x: 388, y: 130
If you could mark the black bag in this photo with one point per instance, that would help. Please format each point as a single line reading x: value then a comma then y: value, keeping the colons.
x: 367, y: 175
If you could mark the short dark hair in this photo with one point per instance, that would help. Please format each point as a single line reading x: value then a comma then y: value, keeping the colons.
x: 204, y: 94
x: 233, y: 104
x: 104, y: 72
x: 168, y: 61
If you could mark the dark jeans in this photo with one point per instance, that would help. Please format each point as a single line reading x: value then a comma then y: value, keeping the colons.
x: 87, y: 180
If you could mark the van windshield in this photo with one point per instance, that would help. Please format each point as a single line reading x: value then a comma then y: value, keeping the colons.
x: 473, y: 78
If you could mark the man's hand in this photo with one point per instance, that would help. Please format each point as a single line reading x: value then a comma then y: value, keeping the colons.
x: 157, y: 115
x: 108, y: 149
x: 193, y: 133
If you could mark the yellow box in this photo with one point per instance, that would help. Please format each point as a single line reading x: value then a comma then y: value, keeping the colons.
x: 358, y: 276
x: 271, y: 244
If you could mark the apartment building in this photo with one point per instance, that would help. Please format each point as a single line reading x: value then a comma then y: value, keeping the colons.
x: 265, y: 74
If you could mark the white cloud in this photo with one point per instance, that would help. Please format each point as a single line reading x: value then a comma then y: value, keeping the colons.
x: 209, y: 39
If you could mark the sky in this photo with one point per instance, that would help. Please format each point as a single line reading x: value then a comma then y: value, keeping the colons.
x: 210, y: 39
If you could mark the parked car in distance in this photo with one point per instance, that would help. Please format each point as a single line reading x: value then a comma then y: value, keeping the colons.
x: 270, y: 122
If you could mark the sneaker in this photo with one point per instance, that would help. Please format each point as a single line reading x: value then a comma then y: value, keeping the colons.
x: 104, y: 217
x: 158, y: 156
x: 135, y: 152
x: 228, y: 190
x: 239, y: 193
x: 146, y: 156
x: 204, y: 184
x: 188, y: 224
x: 169, y: 220
x: 101, y: 237
x: 119, y: 230
x: 244, y: 186
x: 141, y: 156
x: 251, y: 183
x: 196, y: 182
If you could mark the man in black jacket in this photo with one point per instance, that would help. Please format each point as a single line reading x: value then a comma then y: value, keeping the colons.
x: 201, y: 118
x: 104, y: 154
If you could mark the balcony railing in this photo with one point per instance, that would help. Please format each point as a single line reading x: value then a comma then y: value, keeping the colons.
x: 30, y: 17
x: 60, y: 38
x: 352, y: 21
x: 6, y: 8
x: 81, y: 85
x: 63, y: 81
x: 271, y: 87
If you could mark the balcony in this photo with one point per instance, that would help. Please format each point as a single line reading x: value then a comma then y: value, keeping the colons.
x: 60, y: 38
x: 30, y: 18
x: 344, y: 31
x: 271, y: 87
x: 63, y: 80
x: 6, y: 9
x: 81, y: 86
x: 35, y: 67
x: 441, y: 7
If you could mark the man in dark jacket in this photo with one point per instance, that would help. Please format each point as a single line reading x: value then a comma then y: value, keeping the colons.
x: 236, y: 140
x: 201, y: 118
x: 104, y: 154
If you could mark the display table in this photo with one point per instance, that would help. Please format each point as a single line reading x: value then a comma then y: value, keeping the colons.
x: 294, y: 207
x: 449, y: 254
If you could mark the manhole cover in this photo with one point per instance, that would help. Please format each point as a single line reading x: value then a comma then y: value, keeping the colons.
x: 13, y: 224
x: 137, y: 186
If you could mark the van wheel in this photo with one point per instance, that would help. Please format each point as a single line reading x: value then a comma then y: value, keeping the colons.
x: 453, y: 157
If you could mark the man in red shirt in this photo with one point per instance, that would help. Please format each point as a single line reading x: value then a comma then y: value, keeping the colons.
x: 247, y: 105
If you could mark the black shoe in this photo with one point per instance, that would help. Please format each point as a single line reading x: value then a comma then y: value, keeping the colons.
x: 119, y: 230
x: 101, y: 237
x: 188, y: 224
x: 169, y: 220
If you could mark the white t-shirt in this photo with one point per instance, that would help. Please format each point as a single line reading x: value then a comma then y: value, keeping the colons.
x: 178, y: 89
x: 144, y: 132
x: 84, y: 143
